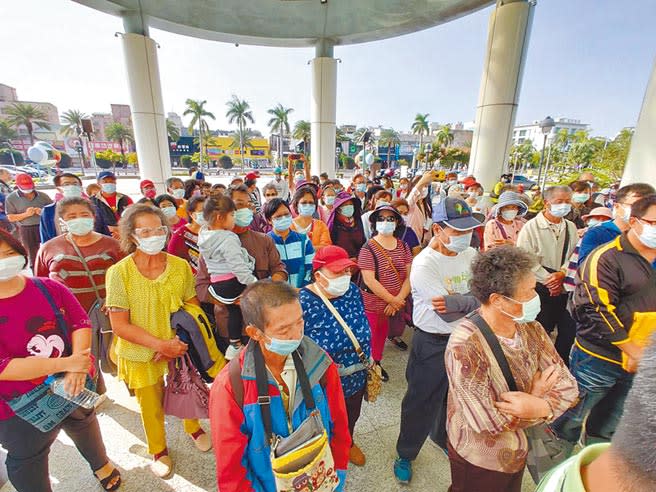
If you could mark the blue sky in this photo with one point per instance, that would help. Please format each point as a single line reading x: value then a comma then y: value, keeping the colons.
x: 587, y: 59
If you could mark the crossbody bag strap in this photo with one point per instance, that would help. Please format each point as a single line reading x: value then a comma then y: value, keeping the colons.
x: 502, y: 229
x: 387, y: 257
x: 565, y: 245
x: 303, y: 381
x: 495, y: 346
x: 263, y: 398
x: 358, y: 349
x: 61, y: 322
x: 86, y: 267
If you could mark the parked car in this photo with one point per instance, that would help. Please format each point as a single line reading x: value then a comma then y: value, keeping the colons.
x: 518, y: 179
x: 32, y: 171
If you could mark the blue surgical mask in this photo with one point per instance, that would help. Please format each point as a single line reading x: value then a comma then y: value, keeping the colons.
x: 80, y: 226
x: 243, y: 217
x: 169, y: 212
x: 306, y: 209
x: 347, y: 210
x: 580, y: 197
x: 560, y: 209
x: 361, y: 187
x: 282, y: 347
x: 109, y: 188
x: 530, y: 310
x: 385, y: 228
x: 593, y: 222
x: 178, y: 193
x: 282, y: 223
x: 329, y: 200
x: 72, y: 191
x: 199, y: 219
x: 458, y: 244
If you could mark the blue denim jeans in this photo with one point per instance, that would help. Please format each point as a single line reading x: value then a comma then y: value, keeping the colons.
x: 603, y: 387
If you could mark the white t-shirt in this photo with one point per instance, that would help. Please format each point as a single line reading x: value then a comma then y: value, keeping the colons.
x: 434, y: 274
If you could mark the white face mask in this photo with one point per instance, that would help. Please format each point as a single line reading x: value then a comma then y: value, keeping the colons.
x: 80, y: 226
x: 648, y: 236
x: 458, y: 244
x: 70, y: 191
x: 626, y: 212
x: 337, y: 286
x: 11, y: 266
x: 530, y: 310
x: 560, y: 209
x: 151, y: 245
x: 169, y: 212
x: 199, y: 219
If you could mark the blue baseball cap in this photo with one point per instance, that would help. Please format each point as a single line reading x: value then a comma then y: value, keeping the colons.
x: 106, y: 174
x: 455, y: 213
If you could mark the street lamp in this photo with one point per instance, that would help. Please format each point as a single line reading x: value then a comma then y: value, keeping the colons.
x: 545, y: 125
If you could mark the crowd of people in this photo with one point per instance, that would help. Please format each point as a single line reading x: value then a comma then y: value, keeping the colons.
x: 529, y: 310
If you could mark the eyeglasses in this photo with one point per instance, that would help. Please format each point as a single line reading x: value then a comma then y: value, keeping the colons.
x: 271, y: 196
x: 387, y: 219
x: 144, y: 232
x: 647, y: 222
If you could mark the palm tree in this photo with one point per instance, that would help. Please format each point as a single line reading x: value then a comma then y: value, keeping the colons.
x: 420, y: 127
x: 245, y: 139
x: 444, y: 137
x: 198, y: 112
x: 279, y: 123
x: 120, y: 134
x: 72, y: 120
x: 27, y: 115
x: 239, y: 111
x: 172, y: 131
x: 303, y: 131
x: 389, y: 138
x: 7, y: 132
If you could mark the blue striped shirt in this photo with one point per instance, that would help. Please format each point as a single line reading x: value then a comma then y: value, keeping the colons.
x: 297, y: 253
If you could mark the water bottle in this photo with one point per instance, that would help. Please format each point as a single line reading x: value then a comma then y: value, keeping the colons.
x: 86, y: 398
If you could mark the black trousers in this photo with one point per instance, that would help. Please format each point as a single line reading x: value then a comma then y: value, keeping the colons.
x: 424, y: 404
x: 353, y: 408
x: 28, y: 448
x: 29, y: 236
x: 554, y: 314
x: 230, y: 289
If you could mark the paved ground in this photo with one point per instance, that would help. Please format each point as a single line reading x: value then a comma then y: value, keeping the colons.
x: 376, y: 434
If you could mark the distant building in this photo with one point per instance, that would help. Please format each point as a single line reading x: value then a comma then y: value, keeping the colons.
x: 7, y: 94
x: 176, y: 120
x: 121, y: 114
x: 9, y: 97
x: 100, y: 122
x: 533, y: 132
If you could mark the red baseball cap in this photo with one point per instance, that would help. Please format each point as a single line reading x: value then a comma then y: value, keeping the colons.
x: 146, y: 183
x: 251, y: 176
x: 333, y: 258
x: 24, y: 182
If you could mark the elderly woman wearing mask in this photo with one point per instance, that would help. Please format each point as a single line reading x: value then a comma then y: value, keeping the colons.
x: 486, y: 421
x: 332, y: 286
x: 506, y: 221
x: 143, y: 291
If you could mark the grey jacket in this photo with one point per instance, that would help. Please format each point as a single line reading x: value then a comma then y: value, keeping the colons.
x: 224, y: 254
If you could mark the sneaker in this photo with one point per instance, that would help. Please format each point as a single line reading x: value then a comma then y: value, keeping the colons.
x: 232, y: 352
x: 398, y: 343
x: 403, y: 470
x: 356, y: 456
x: 203, y: 442
x: 383, y: 373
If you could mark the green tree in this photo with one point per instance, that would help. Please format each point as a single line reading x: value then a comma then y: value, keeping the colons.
x: 444, y: 137
x: 225, y: 162
x: 242, y: 139
x: 172, y: 131
x: 279, y: 123
x: 185, y: 161
x: 420, y: 127
x: 198, y: 115
x: 72, y: 120
x: 7, y: 132
x: 389, y: 138
x: 239, y: 111
x: 27, y: 115
x: 117, y: 132
x: 303, y: 131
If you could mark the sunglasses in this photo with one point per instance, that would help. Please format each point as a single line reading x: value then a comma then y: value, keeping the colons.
x: 387, y: 219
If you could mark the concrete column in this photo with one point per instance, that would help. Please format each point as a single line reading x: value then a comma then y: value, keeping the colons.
x: 148, y: 120
x: 324, y: 108
x: 641, y: 162
x: 508, y: 36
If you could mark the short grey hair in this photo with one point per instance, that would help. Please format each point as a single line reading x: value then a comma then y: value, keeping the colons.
x: 171, y: 180
x: 633, y: 441
x: 260, y: 296
x: 497, y: 271
x: 552, y: 190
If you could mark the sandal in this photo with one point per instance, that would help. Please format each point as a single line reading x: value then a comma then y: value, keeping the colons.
x: 105, y: 482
